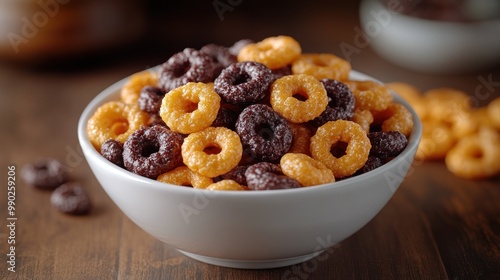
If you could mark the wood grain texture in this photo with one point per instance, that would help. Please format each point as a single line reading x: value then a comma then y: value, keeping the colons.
x: 436, y: 226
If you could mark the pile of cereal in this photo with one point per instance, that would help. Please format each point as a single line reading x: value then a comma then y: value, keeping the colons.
x: 253, y: 116
x: 466, y: 138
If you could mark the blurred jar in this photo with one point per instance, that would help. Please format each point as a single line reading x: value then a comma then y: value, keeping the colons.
x: 45, y: 29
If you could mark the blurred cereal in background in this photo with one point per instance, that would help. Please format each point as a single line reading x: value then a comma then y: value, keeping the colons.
x: 33, y: 30
x: 467, y: 138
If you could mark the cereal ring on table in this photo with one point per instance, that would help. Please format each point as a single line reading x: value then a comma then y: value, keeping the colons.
x: 184, y: 67
x: 299, y: 98
x: 340, y: 103
x: 243, y: 83
x: 183, y: 176
x: 437, y: 139
x: 71, y: 198
x: 264, y: 133
x: 301, y: 139
x: 370, y: 95
x: 152, y: 151
x: 150, y: 99
x: 268, y: 176
x: 364, y: 118
x: 45, y: 174
x: 112, y: 150
x: 387, y: 144
x: 115, y: 120
x: 494, y: 111
x: 322, y: 66
x: 274, y: 52
x: 131, y: 90
x: 331, y: 134
x: 306, y: 170
x: 443, y: 103
x: 197, y: 154
x: 476, y: 156
x: 237, y: 174
x: 221, y: 57
x: 190, y: 108
x: 395, y: 118
x: 226, y: 185
x: 412, y: 95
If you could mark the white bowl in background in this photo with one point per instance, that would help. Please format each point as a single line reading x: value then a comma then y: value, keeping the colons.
x: 248, y: 229
x: 430, y: 46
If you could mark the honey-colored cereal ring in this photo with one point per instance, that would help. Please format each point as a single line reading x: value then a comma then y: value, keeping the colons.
x: 274, y: 52
x: 494, y: 112
x: 443, y: 103
x: 226, y: 185
x: 322, y: 66
x: 412, y: 95
x: 476, y: 156
x: 370, y: 95
x: 306, y: 170
x: 356, y: 153
x: 115, y: 120
x: 437, y: 139
x: 364, y: 118
x: 190, y: 108
x: 196, y: 154
x: 284, y: 101
x: 395, y: 118
x: 183, y: 176
x: 131, y: 90
x: 301, y: 139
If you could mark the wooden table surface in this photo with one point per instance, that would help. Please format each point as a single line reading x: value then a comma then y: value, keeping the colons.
x: 436, y: 226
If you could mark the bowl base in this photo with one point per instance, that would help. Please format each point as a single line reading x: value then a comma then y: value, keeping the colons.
x: 252, y: 264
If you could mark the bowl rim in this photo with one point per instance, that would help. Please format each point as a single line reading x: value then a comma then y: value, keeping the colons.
x: 90, y: 153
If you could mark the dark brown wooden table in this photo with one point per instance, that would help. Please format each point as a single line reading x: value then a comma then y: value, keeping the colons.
x: 436, y: 226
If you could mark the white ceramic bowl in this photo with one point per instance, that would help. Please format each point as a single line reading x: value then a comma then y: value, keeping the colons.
x: 430, y: 46
x: 250, y: 229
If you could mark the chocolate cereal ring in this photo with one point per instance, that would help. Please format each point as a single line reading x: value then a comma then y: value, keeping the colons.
x: 322, y: 66
x: 340, y: 103
x: 115, y: 120
x: 274, y: 52
x: 264, y: 133
x: 152, y: 151
x: 45, y: 174
x: 71, y: 198
x: 356, y: 152
x: 243, y: 83
x: 150, y: 99
x: 190, y: 108
x: 221, y: 57
x: 131, y: 90
x: 306, y: 170
x: 183, y: 176
x: 198, y: 156
x: 268, y: 176
x: 298, y: 98
x: 387, y: 144
x: 184, y: 67
x: 112, y: 150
